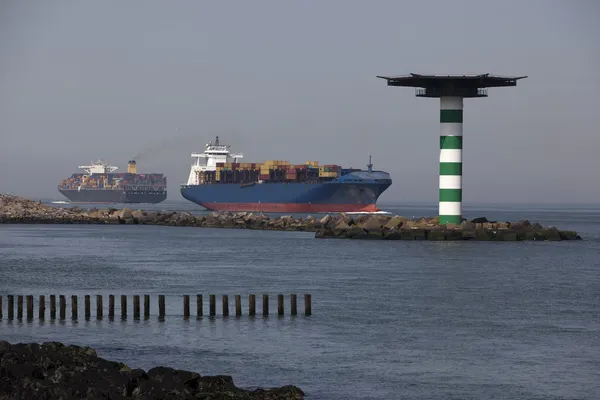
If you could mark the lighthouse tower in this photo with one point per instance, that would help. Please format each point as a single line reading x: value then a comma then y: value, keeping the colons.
x: 451, y: 90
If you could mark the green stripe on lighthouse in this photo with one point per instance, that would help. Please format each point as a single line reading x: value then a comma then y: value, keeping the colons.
x: 451, y: 142
x: 451, y: 195
x: 451, y: 116
x: 450, y: 168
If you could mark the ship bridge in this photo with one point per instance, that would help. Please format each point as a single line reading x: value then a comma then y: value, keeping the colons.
x: 207, y: 161
x: 100, y: 167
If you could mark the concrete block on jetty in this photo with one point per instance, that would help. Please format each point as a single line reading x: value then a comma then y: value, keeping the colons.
x: 53, y: 370
x: 341, y: 226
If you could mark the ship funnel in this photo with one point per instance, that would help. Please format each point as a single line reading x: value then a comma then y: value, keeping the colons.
x: 131, y: 168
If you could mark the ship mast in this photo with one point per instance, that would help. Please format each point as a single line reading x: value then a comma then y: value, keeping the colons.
x: 370, y: 164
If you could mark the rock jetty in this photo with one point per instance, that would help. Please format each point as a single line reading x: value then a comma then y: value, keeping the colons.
x: 55, y: 371
x: 340, y: 226
x: 380, y: 227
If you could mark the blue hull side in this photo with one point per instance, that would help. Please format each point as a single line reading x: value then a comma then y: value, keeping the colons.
x: 357, y: 191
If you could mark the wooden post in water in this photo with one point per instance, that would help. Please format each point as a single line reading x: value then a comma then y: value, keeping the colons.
x: 74, y: 307
x: 111, y: 306
x: 136, y: 306
x: 199, y: 305
x: 29, y: 307
x: 186, y: 306
x: 280, y: 305
x: 42, y: 307
x: 238, y: 305
x: 212, y: 305
x: 294, y: 304
x: 252, y: 305
x: 62, y: 307
x: 161, y: 305
x: 225, y: 305
x: 87, y: 307
x: 10, y: 312
x: 52, y: 306
x: 307, y: 305
x: 146, y: 306
x: 20, y: 306
x: 123, y: 306
x: 265, y: 304
x: 99, y: 307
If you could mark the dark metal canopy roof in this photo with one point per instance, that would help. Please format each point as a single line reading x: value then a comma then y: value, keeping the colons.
x: 452, y: 85
x: 483, y: 80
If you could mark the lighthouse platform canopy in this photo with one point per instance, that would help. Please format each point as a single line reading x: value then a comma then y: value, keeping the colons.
x: 451, y: 85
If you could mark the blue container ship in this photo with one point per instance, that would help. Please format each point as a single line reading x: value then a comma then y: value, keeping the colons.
x: 218, y: 182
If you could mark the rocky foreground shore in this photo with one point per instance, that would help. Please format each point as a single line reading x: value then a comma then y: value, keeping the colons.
x: 55, y: 371
x: 20, y: 210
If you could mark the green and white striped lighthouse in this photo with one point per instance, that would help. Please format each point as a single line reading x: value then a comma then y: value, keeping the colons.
x: 451, y: 90
x: 451, y: 117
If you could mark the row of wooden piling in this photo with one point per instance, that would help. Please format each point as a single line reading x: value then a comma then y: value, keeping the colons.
x: 62, y: 306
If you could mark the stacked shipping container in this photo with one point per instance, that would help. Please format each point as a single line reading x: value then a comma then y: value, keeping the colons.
x: 117, y: 181
x: 269, y: 171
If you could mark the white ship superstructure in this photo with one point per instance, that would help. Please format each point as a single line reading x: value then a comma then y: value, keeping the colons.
x: 100, y: 167
x: 207, y: 161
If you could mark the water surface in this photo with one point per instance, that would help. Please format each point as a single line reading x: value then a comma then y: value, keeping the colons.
x: 419, y: 320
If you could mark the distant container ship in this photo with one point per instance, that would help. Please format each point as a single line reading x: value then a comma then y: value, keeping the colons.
x: 218, y: 182
x: 100, y: 185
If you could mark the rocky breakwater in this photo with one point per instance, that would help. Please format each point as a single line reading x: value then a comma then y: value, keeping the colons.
x: 380, y: 227
x: 19, y: 210
x: 55, y: 371
x: 14, y: 209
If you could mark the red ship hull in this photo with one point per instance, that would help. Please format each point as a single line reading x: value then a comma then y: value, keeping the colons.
x: 290, y: 207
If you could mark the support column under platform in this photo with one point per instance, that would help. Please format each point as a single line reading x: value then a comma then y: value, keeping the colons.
x: 451, y: 119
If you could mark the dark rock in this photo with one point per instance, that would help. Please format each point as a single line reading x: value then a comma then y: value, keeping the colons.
x: 436, y: 235
x: 569, y: 235
x: 506, y: 235
x: 484, y: 234
x: 341, y: 228
x: 55, y: 371
x: 395, y: 222
x: 453, y: 234
x: 373, y: 226
x: 393, y: 234
x: 325, y: 234
x: 552, y: 234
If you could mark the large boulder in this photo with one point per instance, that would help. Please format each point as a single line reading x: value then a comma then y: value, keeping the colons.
x: 126, y: 213
x: 395, y: 222
x: 138, y: 216
x: 371, y: 224
x: 552, y: 234
x: 341, y: 228
x: 325, y: 220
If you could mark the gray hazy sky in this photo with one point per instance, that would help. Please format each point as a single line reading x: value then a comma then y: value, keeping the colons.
x: 297, y: 80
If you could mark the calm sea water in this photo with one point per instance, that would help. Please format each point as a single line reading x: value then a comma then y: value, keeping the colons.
x: 418, y: 320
